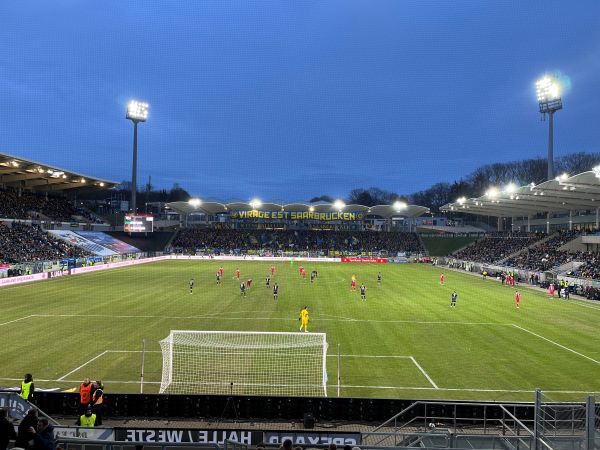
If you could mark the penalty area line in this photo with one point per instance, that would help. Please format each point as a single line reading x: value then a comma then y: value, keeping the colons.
x: 556, y: 343
x: 423, y: 372
x: 349, y: 386
x: 16, y: 320
x: 83, y: 365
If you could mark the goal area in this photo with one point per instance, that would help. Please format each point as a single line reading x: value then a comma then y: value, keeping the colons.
x: 244, y: 363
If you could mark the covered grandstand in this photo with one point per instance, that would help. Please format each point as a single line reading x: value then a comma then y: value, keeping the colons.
x: 398, y: 214
x: 27, y: 175
x: 565, y: 202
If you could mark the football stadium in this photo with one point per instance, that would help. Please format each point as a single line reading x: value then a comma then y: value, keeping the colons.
x: 254, y: 305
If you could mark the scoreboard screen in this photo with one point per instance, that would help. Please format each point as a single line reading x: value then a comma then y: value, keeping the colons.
x: 138, y: 223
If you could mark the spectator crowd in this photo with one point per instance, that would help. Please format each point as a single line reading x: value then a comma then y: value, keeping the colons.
x: 494, y: 248
x: 30, y: 206
x: 546, y: 255
x: 241, y: 241
x: 29, y: 243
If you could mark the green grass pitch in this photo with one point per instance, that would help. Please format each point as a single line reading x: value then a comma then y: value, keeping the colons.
x: 404, y: 342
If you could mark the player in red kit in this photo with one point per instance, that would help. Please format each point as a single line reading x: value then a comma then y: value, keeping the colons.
x: 221, y: 271
x: 353, y: 285
x: 442, y: 279
x: 272, y: 271
x: 517, y: 298
x: 551, y: 290
x: 237, y: 273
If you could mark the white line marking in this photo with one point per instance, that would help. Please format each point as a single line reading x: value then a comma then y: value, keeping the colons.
x: 406, y: 388
x: 412, y: 388
x: 16, y: 320
x: 372, y: 356
x: 338, y: 317
x: 83, y: 365
x: 424, y: 373
x: 329, y: 356
x: 424, y: 322
x: 556, y: 343
x: 582, y: 303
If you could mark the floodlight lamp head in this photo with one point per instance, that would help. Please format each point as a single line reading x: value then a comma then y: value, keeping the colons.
x: 195, y: 202
x: 339, y: 205
x: 548, y: 90
x: 137, y: 111
x: 596, y: 171
x: 255, y: 203
x: 562, y: 177
x: 399, y: 205
x: 492, y: 192
x: 461, y: 200
x: 511, y: 188
x: 311, y: 208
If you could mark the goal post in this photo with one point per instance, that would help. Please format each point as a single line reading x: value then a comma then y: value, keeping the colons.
x: 244, y: 363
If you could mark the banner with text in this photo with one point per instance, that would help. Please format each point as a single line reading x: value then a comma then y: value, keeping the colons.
x: 364, y: 260
x: 297, y: 215
x: 312, y: 438
x: 199, y: 436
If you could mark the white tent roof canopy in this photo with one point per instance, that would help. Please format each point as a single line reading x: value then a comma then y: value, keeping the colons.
x: 563, y: 194
x: 212, y: 208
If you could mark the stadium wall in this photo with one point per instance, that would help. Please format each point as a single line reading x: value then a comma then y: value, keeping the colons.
x: 155, y: 406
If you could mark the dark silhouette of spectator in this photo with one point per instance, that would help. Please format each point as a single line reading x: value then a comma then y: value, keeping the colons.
x: 7, y: 430
x: 98, y: 401
x: 43, y: 438
x: 287, y: 444
x: 27, y: 429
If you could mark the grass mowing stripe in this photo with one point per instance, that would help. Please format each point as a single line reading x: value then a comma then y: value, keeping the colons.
x: 407, y: 314
x: 217, y: 316
x: 557, y: 344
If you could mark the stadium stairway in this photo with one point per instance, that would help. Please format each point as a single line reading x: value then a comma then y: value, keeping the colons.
x: 423, y: 246
x: 152, y: 242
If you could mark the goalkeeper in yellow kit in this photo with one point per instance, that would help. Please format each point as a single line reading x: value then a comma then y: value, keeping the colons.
x: 304, y: 319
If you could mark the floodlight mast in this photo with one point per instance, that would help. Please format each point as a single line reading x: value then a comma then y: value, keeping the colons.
x: 136, y: 112
x: 548, y: 96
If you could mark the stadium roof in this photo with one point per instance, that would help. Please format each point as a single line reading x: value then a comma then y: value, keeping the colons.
x: 212, y: 208
x: 563, y: 194
x: 39, y: 177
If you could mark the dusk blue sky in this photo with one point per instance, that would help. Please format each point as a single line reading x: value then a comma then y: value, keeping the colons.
x: 285, y: 100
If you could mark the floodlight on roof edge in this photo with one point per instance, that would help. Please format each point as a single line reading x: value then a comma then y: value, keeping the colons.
x: 339, y: 205
x: 136, y: 112
x: 548, y: 96
x: 195, y: 202
x: 399, y: 205
x: 255, y: 203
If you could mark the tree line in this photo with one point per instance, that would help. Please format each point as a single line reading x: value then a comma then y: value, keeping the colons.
x: 473, y: 185
x: 476, y: 183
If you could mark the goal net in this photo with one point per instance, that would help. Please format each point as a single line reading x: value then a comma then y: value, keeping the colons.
x: 245, y: 363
